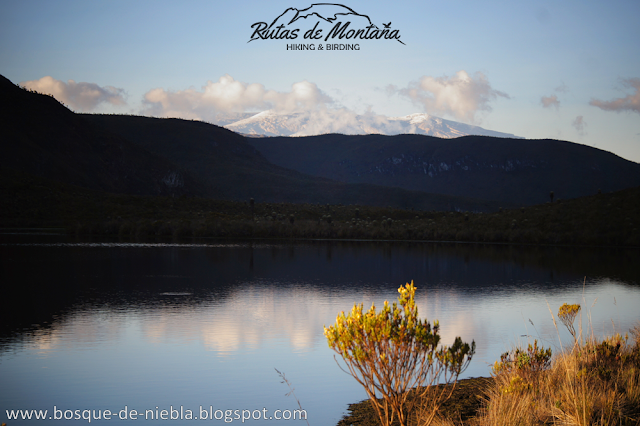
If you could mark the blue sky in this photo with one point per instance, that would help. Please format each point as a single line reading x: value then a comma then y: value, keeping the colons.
x: 560, y: 69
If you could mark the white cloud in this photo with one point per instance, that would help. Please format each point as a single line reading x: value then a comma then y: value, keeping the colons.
x: 461, y: 96
x: 84, y: 97
x: 628, y: 103
x: 228, y: 95
x: 550, y: 101
x: 312, y: 111
x: 579, y: 124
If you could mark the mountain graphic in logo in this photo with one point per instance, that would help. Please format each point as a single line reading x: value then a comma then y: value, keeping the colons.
x: 329, y: 12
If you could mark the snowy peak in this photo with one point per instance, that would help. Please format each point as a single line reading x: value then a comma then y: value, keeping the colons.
x: 269, y: 123
x: 413, y: 118
x: 422, y: 123
x: 272, y: 123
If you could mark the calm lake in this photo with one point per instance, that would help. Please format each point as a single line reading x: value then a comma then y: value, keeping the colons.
x: 202, y: 325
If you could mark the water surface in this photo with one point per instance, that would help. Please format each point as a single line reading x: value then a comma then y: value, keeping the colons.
x: 109, y: 324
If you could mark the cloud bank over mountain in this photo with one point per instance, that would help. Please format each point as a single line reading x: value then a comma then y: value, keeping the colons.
x: 83, y: 97
x: 229, y: 95
x: 461, y: 96
x: 309, y: 111
x: 304, y: 110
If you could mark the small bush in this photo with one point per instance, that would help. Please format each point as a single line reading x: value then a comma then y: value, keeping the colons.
x: 392, y: 352
x: 595, y: 383
x: 524, y: 364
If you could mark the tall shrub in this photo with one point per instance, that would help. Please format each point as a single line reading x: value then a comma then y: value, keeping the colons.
x: 392, y: 352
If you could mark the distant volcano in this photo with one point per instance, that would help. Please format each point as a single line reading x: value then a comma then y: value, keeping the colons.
x: 271, y: 123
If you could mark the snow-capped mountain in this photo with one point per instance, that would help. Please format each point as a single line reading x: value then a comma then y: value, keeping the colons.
x: 223, y: 119
x: 271, y: 123
x: 426, y: 124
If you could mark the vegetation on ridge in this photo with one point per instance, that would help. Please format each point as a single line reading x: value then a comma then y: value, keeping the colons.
x: 506, y: 170
x: 601, y: 219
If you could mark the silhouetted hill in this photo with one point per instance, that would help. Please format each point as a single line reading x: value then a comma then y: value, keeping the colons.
x: 510, y: 171
x: 42, y: 137
x: 235, y: 170
x: 151, y: 156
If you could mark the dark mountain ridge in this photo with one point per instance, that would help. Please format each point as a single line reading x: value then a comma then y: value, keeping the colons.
x: 152, y: 156
x: 237, y: 171
x: 515, y: 171
x: 42, y: 137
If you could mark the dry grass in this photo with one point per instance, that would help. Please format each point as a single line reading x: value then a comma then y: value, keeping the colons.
x: 595, y: 382
x: 591, y: 382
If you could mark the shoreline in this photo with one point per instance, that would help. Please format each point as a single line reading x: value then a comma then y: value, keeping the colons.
x: 464, y: 404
